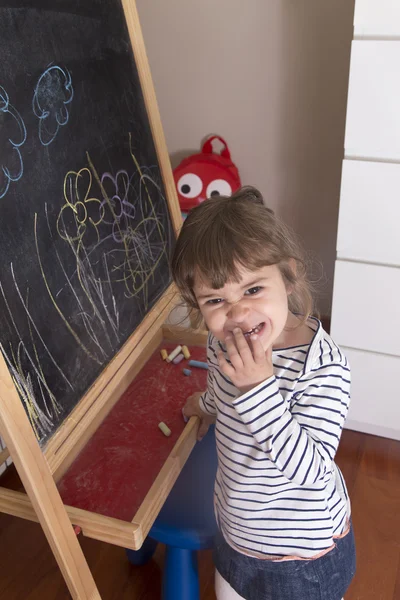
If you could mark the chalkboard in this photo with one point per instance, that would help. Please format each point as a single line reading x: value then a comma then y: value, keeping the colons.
x: 85, y: 231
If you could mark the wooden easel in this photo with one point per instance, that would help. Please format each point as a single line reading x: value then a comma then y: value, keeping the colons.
x: 39, y: 471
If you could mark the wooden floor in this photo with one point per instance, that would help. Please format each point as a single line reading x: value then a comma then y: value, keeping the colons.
x: 371, y: 467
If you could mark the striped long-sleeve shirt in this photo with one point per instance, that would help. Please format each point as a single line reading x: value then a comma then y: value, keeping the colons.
x: 278, y: 492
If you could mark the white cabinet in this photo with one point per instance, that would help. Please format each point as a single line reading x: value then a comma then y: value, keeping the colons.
x: 366, y: 300
x: 375, y: 396
x: 366, y: 296
x: 377, y: 18
x: 366, y: 324
x: 373, y: 115
x: 369, y: 213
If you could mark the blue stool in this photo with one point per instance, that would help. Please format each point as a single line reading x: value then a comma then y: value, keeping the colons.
x: 185, y: 524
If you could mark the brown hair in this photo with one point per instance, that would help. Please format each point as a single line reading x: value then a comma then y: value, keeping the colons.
x: 224, y: 233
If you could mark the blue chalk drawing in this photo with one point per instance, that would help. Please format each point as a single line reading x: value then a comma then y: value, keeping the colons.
x: 53, y: 92
x: 11, y: 163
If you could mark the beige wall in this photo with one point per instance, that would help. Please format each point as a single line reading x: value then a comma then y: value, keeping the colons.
x: 271, y: 77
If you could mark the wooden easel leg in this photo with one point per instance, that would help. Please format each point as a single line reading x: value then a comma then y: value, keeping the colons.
x: 42, y: 491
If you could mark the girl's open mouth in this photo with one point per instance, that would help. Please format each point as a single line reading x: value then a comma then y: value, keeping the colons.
x: 257, y: 330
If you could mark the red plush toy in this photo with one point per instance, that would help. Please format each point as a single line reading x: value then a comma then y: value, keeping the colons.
x: 207, y: 174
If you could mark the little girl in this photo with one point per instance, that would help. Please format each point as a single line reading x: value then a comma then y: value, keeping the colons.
x: 279, y: 387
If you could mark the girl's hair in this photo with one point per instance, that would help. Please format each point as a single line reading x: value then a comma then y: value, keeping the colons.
x: 225, y: 233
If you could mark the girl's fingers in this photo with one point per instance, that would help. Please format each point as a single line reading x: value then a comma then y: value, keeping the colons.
x: 233, y: 353
x: 242, y: 345
x: 225, y: 366
x: 202, y: 430
x: 192, y: 406
x: 258, y: 350
x: 268, y: 354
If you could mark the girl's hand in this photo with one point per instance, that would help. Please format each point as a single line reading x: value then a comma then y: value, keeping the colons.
x: 192, y: 408
x: 249, y: 366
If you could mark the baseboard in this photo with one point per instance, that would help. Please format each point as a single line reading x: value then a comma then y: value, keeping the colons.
x: 386, y: 432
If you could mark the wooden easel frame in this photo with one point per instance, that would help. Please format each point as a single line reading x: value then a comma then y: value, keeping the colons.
x: 39, y: 470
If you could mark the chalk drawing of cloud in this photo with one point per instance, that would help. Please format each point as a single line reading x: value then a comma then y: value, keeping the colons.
x: 12, y: 137
x: 53, y: 93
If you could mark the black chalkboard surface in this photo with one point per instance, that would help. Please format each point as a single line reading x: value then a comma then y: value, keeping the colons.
x: 85, y: 232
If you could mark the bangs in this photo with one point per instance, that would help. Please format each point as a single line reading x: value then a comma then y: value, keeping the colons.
x: 224, y: 250
x: 226, y: 264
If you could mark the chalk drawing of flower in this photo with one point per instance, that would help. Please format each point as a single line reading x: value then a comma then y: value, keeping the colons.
x: 53, y: 93
x: 79, y: 214
x: 116, y: 207
x: 12, y: 137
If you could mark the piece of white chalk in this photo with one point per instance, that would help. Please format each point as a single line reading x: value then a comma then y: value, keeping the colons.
x: 164, y: 428
x: 178, y: 359
x: 198, y: 363
x: 174, y: 353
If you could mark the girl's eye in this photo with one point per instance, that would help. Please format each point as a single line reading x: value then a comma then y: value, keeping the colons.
x: 253, y: 290
x: 214, y: 301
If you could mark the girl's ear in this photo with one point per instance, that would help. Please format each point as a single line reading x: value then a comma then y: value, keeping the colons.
x: 293, y: 265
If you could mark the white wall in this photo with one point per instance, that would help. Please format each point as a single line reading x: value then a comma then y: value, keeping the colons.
x: 271, y: 77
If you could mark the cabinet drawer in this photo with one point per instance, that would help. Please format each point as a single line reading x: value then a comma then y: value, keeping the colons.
x: 374, y: 406
x: 369, y: 214
x: 365, y: 310
x: 373, y: 115
x: 377, y: 18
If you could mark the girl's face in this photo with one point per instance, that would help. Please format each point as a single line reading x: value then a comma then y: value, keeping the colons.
x: 257, y: 303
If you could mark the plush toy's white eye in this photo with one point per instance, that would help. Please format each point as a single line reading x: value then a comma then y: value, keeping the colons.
x: 218, y: 187
x: 190, y: 185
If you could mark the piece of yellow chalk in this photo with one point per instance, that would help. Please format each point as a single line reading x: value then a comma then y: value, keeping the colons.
x: 174, y: 353
x: 185, y: 351
x: 164, y: 428
x: 164, y: 354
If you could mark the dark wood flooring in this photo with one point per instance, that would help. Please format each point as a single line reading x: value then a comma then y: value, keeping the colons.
x: 371, y: 467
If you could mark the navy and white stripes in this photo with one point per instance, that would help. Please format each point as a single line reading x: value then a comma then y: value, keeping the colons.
x: 278, y: 491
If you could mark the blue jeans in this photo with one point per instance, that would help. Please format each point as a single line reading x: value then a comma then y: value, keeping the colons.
x: 324, y: 578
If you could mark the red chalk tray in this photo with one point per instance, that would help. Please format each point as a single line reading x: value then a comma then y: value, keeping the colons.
x: 116, y: 468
